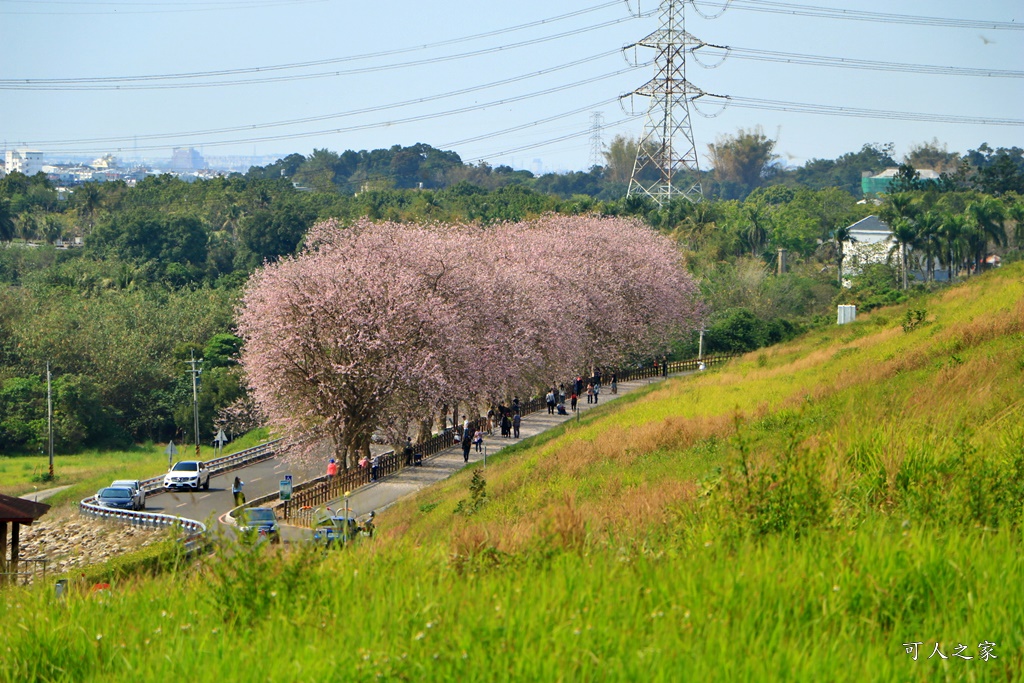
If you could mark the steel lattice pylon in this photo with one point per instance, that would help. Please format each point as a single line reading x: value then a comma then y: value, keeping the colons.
x: 666, y: 160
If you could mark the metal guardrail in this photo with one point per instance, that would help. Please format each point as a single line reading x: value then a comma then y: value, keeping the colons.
x: 195, y: 531
x: 221, y: 464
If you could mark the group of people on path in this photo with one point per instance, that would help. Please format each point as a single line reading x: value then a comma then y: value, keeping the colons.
x: 509, y: 418
x: 471, y: 436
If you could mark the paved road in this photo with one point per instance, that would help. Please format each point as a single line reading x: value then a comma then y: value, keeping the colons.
x: 260, y: 479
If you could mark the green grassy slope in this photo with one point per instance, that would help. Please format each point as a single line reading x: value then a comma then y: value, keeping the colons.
x: 799, y: 515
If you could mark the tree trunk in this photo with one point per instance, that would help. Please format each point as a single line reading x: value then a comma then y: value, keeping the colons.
x: 903, y: 258
x: 426, y: 428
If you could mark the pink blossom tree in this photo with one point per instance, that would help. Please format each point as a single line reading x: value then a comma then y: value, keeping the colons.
x: 383, y: 324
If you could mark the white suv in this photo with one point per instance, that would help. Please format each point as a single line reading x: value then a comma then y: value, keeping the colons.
x: 191, y: 474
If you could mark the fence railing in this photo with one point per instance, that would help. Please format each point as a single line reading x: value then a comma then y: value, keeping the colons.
x: 9, y: 574
x: 663, y: 369
x: 309, y: 495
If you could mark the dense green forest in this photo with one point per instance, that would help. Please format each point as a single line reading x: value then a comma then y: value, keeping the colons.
x: 160, y: 264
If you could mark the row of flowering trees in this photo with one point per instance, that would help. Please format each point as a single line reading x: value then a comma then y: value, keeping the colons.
x: 379, y: 326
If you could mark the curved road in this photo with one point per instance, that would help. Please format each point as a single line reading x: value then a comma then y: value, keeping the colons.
x: 260, y: 479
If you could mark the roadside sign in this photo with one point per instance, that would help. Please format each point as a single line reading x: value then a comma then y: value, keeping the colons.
x: 286, y: 489
x: 288, y: 478
x: 171, y: 451
x: 221, y: 438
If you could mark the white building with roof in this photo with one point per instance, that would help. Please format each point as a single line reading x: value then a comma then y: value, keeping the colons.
x: 27, y: 161
x: 870, y: 241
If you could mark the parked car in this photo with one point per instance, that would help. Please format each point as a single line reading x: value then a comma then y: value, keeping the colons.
x: 191, y: 474
x: 138, y: 492
x: 331, y: 529
x: 117, y: 497
x: 259, y: 524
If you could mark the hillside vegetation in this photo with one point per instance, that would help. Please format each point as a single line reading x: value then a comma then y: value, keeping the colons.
x: 807, y: 513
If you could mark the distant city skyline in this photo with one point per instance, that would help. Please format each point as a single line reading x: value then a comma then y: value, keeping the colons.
x: 499, y: 86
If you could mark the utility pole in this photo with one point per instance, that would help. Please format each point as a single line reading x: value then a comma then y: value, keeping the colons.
x: 195, y: 371
x: 49, y: 417
x: 666, y: 158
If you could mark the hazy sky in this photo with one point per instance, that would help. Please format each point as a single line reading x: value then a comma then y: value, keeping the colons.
x: 454, y: 76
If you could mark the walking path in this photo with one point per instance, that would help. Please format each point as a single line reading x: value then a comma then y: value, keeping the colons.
x: 384, y: 493
x: 38, y: 496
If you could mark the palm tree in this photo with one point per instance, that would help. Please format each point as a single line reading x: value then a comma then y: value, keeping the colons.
x: 88, y: 199
x: 1016, y: 214
x: 952, y: 233
x: 7, y: 227
x: 899, y: 205
x: 905, y: 234
x: 839, y: 237
x: 928, y: 240
x: 755, y: 232
x: 986, y: 216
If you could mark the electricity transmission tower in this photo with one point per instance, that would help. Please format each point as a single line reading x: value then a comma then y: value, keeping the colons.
x: 666, y: 159
x: 596, y: 144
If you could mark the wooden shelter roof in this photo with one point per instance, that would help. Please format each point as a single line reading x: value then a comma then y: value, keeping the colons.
x: 20, y: 510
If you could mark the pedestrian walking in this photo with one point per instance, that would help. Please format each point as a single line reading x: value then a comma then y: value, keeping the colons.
x: 506, y: 425
x: 590, y: 393
x: 478, y: 440
x: 332, y: 468
x: 467, y: 443
x: 550, y: 398
x: 572, y: 401
x: 597, y: 391
x: 374, y: 468
x: 615, y: 383
x: 408, y: 450
x: 516, y: 419
x: 515, y: 406
x: 236, y: 491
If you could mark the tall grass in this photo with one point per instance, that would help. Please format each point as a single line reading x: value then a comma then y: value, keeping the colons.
x: 798, y: 515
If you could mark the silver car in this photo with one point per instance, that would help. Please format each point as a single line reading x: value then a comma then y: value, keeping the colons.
x: 138, y: 493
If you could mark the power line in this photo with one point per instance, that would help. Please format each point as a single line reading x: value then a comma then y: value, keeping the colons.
x: 133, y: 7
x: 380, y: 124
x: 831, y: 110
x: 531, y: 124
x: 126, y: 82
x: 858, y: 15
x: 866, y: 64
x: 322, y: 117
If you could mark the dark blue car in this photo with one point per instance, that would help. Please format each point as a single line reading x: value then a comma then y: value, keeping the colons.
x: 259, y: 524
x: 117, y: 497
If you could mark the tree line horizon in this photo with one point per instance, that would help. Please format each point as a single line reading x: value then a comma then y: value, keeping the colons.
x: 162, y: 264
